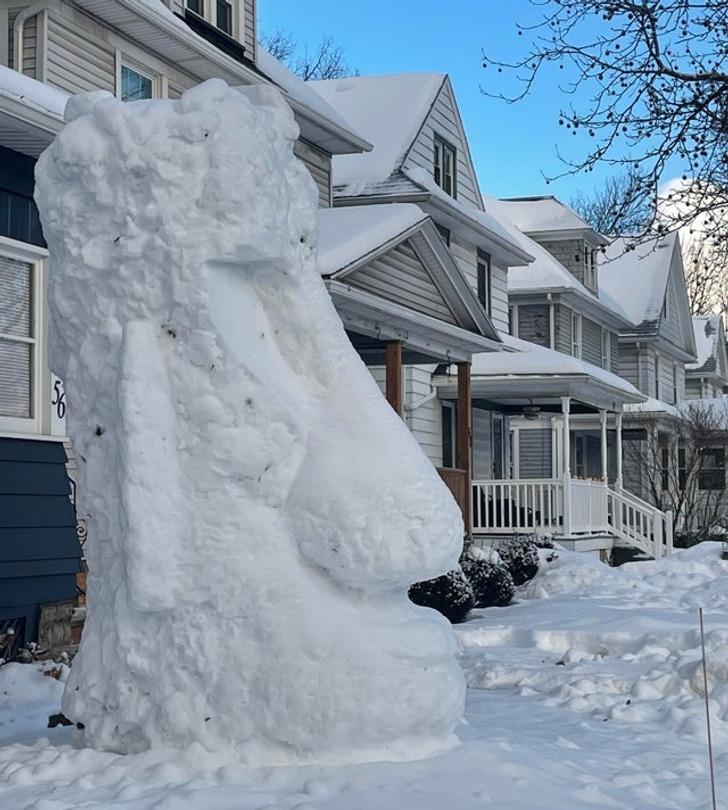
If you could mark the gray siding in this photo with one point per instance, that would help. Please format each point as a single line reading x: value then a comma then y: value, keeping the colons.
x: 444, y: 121
x: 535, y: 453
x: 693, y: 388
x: 77, y: 61
x: 629, y: 366
x: 466, y: 257
x: 670, y: 327
x: 31, y: 48
x: 615, y: 353
x: 319, y: 165
x: 482, y: 444
x: 591, y: 342
x: 399, y: 276
x: 533, y: 323
x: 570, y: 253
x: 250, y: 25
x: 562, y: 328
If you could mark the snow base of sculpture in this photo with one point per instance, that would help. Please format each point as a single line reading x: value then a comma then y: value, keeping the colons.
x: 256, y: 511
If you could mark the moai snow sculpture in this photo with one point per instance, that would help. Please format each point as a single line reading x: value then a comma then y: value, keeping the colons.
x: 256, y: 511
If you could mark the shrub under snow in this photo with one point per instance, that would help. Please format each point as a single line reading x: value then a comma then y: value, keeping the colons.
x: 451, y: 594
x: 520, y: 556
x: 491, y: 582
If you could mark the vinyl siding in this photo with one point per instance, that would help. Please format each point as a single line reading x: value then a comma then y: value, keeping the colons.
x: 30, y: 48
x: 443, y: 120
x: 615, y: 353
x: 175, y: 87
x: 535, y: 453
x: 424, y: 421
x: 319, y: 165
x: 466, y: 257
x: 670, y: 327
x: 399, y: 276
x: 249, y: 24
x: 693, y: 389
x: 591, y: 342
x: 533, y: 323
x: 76, y: 60
x: 562, y: 328
x: 629, y: 366
x: 482, y: 444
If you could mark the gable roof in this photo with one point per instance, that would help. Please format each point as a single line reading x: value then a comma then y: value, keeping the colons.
x: 388, y: 110
x: 637, y: 274
x: 541, y: 215
x: 710, y: 346
x: 351, y: 238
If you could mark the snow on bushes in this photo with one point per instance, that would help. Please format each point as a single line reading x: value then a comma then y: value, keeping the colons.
x: 257, y: 510
x: 491, y: 582
x: 520, y: 556
x: 451, y: 594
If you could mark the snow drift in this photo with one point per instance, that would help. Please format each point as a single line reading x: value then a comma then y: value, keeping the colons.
x: 256, y: 509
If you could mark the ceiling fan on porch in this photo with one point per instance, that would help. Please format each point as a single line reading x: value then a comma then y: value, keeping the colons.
x: 531, y: 411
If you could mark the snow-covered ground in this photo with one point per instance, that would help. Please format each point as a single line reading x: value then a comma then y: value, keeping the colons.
x: 586, y: 693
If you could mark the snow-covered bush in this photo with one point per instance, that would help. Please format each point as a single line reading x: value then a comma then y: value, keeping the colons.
x: 451, y: 594
x: 520, y: 556
x: 491, y: 582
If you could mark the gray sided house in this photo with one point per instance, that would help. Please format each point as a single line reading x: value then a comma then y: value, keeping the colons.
x: 707, y: 377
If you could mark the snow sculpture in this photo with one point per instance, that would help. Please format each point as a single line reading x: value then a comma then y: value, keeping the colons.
x: 256, y: 510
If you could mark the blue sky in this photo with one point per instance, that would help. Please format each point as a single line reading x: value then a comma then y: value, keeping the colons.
x: 513, y: 145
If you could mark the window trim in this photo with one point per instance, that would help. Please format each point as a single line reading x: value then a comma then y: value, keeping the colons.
x: 452, y: 408
x: 209, y: 9
x: 485, y: 283
x: 441, y: 146
x: 37, y: 257
x: 124, y: 60
x: 658, y: 376
x: 576, y: 335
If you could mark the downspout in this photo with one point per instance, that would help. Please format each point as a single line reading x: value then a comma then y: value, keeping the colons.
x: 18, y: 24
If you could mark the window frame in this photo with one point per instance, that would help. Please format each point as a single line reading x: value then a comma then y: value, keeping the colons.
x: 447, y: 405
x: 675, y: 385
x: 606, y: 349
x: 441, y: 147
x: 125, y: 61
x: 37, y: 258
x: 576, y: 334
x: 209, y: 14
x: 717, y: 472
x: 485, y: 280
x: 658, y: 376
x: 445, y: 233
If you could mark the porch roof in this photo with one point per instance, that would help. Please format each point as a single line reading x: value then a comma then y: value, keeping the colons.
x: 351, y: 238
x: 31, y: 113
x: 527, y: 374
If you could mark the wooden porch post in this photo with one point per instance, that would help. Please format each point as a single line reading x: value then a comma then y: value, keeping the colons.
x: 464, y: 433
x: 603, y: 422
x: 565, y: 410
x: 619, y: 481
x: 394, y: 375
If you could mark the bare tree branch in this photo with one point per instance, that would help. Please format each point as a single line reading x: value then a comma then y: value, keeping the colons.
x: 325, y: 61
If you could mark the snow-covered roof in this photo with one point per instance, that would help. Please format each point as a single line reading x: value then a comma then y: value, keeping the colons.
x: 544, y: 214
x: 529, y: 361
x: 652, y: 405
x: 32, y: 93
x: 707, y: 331
x: 346, y: 234
x: 636, y: 275
x: 388, y: 111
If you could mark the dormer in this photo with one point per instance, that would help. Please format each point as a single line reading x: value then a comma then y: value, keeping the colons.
x: 562, y: 232
x: 230, y: 25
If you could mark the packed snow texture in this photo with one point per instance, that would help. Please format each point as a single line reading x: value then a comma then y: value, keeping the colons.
x: 256, y: 509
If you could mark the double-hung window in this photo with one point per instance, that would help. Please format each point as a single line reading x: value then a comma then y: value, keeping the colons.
x: 20, y: 338
x: 224, y: 19
x: 576, y: 334
x: 711, y: 473
x: 449, y: 433
x: 484, y: 281
x: 606, y: 346
x: 219, y: 13
x: 445, y: 161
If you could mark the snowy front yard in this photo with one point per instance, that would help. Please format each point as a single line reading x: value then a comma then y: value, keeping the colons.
x: 584, y: 694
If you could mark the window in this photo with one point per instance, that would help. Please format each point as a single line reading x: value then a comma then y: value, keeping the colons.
x: 224, y: 16
x: 711, y: 473
x: 444, y: 233
x: 658, y: 372
x: 575, y: 334
x: 197, y: 6
x: 666, y: 305
x: 606, y: 346
x: 674, y: 384
x: 682, y: 468
x: 445, y: 159
x: 449, y: 428
x: 21, y: 343
x: 135, y: 86
x: 484, y: 279
x: 664, y: 463
x: 590, y: 267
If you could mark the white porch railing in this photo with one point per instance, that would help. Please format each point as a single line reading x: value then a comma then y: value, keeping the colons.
x: 510, y: 506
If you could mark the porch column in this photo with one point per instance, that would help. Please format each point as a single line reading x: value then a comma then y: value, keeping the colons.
x: 566, y: 446
x: 619, y: 452
x: 603, y: 422
x: 464, y: 433
x: 393, y: 387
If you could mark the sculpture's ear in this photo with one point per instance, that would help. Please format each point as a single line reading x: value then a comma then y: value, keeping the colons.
x: 83, y: 104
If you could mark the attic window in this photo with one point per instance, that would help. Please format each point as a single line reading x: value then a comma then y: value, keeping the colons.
x: 445, y: 158
x: 666, y: 306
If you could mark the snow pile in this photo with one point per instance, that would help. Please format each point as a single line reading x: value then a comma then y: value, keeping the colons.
x: 257, y: 510
x: 29, y: 693
x: 619, y: 643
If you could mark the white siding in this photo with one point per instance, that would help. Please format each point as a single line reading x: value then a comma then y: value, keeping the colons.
x: 424, y: 421
x: 499, y: 298
x: 629, y: 366
x: 250, y: 27
x: 319, y: 165
x: 444, y: 120
x: 76, y: 60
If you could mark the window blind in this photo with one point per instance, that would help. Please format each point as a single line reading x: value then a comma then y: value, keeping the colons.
x: 16, y: 326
